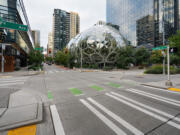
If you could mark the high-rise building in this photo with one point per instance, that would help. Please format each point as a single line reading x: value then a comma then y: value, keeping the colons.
x: 145, y: 30
x: 60, y: 29
x: 50, y: 46
x: 19, y: 43
x: 65, y: 27
x: 128, y: 13
x: 36, y: 37
x: 74, y: 24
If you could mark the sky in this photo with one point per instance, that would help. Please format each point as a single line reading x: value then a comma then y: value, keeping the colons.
x: 40, y: 13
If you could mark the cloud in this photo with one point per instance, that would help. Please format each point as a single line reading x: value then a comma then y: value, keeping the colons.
x: 40, y: 13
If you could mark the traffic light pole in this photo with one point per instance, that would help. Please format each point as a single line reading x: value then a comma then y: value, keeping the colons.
x: 168, y: 83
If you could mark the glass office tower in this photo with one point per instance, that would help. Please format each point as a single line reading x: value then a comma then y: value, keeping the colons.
x: 19, y: 43
x: 141, y: 22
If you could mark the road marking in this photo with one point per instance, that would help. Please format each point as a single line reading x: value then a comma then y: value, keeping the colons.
x: 7, y: 84
x: 76, y: 91
x: 167, y: 100
x: 109, y: 123
x: 117, y: 118
x: 161, y: 89
x: 147, y: 107
x: 50, y: 96
x: 59, y: 130
x: 50, y: 72
x: 146, y: 111
x: 174, y: 89
x: 27, y: 130
x: 97, y: 88
x: 114, y: 85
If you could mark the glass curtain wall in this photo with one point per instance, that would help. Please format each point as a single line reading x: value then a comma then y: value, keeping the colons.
x: 125, y: 13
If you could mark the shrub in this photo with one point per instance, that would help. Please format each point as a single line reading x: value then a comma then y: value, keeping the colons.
x: 158, y: 69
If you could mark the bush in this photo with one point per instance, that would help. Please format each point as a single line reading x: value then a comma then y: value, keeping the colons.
x: 108, y: 68
x: 158, y: 69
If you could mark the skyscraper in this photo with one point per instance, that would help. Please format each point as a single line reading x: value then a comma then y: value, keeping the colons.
x: 65, y: 27
x: 50, y: 45
x: 74, y: 24
x: 36, y: 37
x: 128, y: 14
x: 60, y: 29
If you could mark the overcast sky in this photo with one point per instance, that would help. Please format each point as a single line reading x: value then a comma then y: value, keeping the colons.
x: 40, y: 13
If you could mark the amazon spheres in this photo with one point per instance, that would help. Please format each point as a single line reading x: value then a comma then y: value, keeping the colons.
x: 97, y: 45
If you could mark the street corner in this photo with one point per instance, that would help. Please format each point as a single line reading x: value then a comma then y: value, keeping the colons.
x: 174, y: 89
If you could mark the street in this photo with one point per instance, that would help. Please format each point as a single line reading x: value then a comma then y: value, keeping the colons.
x: 99, y: 103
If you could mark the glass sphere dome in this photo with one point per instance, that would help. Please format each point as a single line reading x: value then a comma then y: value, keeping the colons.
x: 98, y: 44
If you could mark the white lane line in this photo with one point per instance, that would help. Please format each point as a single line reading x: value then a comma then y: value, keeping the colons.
x: 6, y: 84
x: 147, y: 107
x: 131, y: 128
x: 109, y: 123
x: 161, y: 90
x: 157, y: 98
x: 59, y: 130
x: 172, y: 100
x: 56, y: 71
x: 158, y: 117
x: 13, y: 81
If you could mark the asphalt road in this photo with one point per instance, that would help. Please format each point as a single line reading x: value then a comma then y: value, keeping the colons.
x: 103, y: 103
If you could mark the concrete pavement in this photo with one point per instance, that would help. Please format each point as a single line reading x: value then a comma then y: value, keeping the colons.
x: 102, y: 103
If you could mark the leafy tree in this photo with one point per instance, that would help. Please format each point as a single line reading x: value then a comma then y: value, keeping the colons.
x: 62, y: 58
x: 142, y: 56
x: 49, y: 59
x: 156, y: 57
x: 125, y: 57
x: 175, y: 41
x: 36, y: 58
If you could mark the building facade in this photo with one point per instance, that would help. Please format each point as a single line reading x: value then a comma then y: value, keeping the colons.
x: 129, y: 15
x: 145, y: 30
x: 74, y: 24
x: 18, y: 43
x: 50, y: 46
x: 66, y: 25
x: 60, y: 29
x: 36, y: 37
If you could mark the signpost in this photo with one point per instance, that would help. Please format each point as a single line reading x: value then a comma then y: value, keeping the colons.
x: 39, y: 49
x: 160, y: 48
x: 15, y: 26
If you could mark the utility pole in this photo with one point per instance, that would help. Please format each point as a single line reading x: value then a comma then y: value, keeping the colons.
x: 168, y: 83
x: 81, y: 57
x: 164, y: 56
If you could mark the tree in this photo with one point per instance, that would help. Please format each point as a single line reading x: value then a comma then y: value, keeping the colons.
x: 36, y: 58
x: 175, y: 41
x: 142, y: 56
x: 62, y: 58
x: 125, y: 57
x: 156, y: 57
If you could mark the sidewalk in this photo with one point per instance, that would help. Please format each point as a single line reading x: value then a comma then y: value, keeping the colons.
x: 22, y: 72
x: 162, y: 84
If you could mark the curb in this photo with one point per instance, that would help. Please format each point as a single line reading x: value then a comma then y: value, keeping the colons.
x: 155, y: 86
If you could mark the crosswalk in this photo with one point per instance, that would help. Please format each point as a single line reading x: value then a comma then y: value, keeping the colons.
x: 13, y: 81
x: 108, y: 117
x: 55, y: 71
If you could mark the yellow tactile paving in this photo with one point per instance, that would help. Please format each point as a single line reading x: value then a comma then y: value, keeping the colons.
x: 27, y: 130
x: 174, y: 89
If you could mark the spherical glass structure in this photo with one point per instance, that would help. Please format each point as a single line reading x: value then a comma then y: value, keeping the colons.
x: 97, y: 45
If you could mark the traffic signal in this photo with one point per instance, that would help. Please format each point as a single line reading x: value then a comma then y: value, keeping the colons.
x: 173, y: 50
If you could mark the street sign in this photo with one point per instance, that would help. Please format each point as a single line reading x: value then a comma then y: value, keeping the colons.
x: 160, y: 48
x: 39, y: 49
x: 15, y: 26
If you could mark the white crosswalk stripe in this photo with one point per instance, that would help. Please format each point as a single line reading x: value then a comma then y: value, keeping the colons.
x: 117, y: 118
x: 55, y: 71
x: 147, y: 107
x: 13, y: 81
x: 154, y: 115
x: 108, y: 122
x: 160, y: 98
